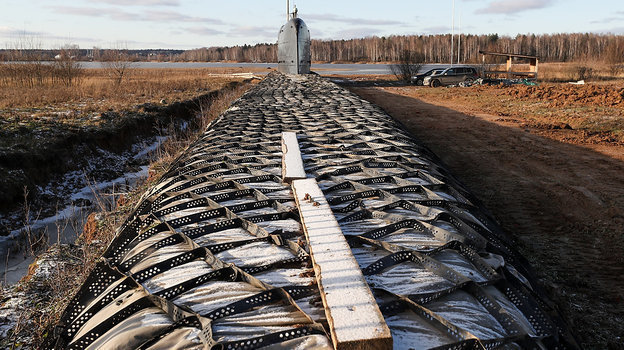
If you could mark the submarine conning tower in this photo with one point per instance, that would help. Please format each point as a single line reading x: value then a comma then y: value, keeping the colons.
x: 293, y: 46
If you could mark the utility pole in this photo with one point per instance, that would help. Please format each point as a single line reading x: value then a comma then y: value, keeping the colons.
x: 452, y: 31
x: 287, y: 10
x: 459, y: 40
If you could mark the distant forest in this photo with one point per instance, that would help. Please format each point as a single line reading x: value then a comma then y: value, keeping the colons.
x: 432, y: 48
x: 575, y: 47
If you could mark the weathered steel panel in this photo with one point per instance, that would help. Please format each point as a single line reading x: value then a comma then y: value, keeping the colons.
x: 293, y: 48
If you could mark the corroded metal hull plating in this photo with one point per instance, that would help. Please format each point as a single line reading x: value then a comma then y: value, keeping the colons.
x: 293, y: 48
x: 215, y: 254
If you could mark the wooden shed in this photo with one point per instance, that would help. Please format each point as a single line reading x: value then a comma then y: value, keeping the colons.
x: 510, y: 72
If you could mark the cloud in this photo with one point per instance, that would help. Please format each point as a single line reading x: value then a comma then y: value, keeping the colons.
x: 264, y: 33
x: 619, y: 16
x: 134, y: 44
x: 12, y: 32
x: 606, y: 20
x: 204, y: 31
x: 111, y: 13
x: 140, y: 2
x: 317, y: 33
x: 514, y: 6
x: 437, y: 30
x: 169, y: 16
x: 34, y: 39
x: 252, y: 31
x: 614, y: 30
x: 81, y: 11
x: 351, y: 20
x: 122, y: 15
x: 360, y: 32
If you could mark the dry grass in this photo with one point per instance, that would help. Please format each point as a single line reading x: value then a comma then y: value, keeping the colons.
x: 97, y: 86
x: 49, y: 111
x: 47, y: 295
x: 573, y: 71
x: 51, y: 295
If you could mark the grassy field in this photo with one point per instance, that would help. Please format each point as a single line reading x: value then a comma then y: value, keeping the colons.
x: 571, y: 71
x: 42, y: 122
x: 96, y: 99
x: 590, y: 71
x: 49, y: 110
x: 97, y: 89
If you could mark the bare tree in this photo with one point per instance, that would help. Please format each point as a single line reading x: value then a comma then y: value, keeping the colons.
x: 31, y: 71
x: 117, y: 64
x: 562, y: 47
x: 408, y: 65
x: 67, y: 68
x: 614, y: 57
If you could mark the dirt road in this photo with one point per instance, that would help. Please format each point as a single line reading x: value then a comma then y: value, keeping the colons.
x: 562, y: 202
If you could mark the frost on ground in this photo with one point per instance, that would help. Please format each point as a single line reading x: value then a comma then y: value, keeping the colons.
x: 59, y: 210
x: 27, y: 306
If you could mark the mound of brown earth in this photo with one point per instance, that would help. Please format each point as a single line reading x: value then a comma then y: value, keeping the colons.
x: 559, y: 191
x: 568, y: 94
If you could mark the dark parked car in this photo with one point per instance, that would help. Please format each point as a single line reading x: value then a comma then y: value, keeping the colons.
x: 418, y: 78
x: 451, y: 76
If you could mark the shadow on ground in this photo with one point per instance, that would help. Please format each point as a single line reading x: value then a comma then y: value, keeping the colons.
x: 563, y: 204
x: 365, y: 81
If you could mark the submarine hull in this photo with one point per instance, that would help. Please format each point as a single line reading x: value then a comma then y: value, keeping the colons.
x: 293, y: 48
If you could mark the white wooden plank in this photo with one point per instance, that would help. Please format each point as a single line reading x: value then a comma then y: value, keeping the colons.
x: 292, y: 163
x: 353, y: 315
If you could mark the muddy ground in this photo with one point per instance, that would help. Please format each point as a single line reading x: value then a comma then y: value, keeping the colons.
x: 39, y: 153
x: 554, y: 188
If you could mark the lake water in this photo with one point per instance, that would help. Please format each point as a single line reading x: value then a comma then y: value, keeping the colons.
x: 323, y: 68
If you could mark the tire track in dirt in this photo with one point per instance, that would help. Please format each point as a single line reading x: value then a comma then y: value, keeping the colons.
x: 563, y: 203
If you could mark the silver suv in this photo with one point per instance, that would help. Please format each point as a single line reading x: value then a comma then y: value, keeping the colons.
x: 451, y: 76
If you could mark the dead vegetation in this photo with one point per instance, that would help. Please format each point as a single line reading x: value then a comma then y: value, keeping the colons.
x: 409, y: 64
x: 117, y: 64
x: 100, y: 90
x: 44, y: 294
x: 582, y: 70
x: 43, y: 128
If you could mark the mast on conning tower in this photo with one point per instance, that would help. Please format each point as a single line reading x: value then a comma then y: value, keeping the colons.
x: 293, y: 14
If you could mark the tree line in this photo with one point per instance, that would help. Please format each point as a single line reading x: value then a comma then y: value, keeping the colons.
x: 567, y: 47
x: 27, y: 53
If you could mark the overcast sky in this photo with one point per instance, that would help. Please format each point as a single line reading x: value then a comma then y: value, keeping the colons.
x: 188, y: 24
